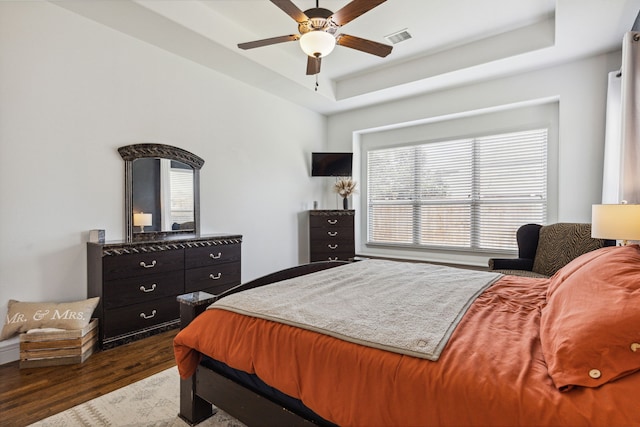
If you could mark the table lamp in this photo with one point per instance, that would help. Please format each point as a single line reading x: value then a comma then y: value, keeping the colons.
x: 616, y: 222
x: 141, y: 220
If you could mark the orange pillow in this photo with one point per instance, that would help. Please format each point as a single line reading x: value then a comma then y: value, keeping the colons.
x: 590, y: 327
x: 563, y: 274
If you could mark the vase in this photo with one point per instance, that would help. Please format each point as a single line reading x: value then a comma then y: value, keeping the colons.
x: 345, y: 203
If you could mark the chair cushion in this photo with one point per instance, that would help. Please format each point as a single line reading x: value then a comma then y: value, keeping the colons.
x: 560, y: 243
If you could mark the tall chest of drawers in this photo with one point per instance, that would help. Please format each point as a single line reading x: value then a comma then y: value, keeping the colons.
x: 331, y: 235
x: 138, y: 282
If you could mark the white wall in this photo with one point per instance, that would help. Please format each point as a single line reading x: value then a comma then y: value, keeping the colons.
x: 72, y: 91
x: 580, y: 87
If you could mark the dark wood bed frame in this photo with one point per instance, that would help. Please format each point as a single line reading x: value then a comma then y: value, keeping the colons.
x: 208, y: 387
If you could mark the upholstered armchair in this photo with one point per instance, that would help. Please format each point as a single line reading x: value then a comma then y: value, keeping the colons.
x: 543, y: 250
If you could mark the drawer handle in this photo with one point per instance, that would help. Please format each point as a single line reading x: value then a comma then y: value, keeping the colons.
x: 151, y: 316
x: 151, y: 289
x: 216, y: 277
x: 332, y: 246
x: 332, y: 221
x: 212, y: 256
x: 145, y: 265
x: 332, y: 233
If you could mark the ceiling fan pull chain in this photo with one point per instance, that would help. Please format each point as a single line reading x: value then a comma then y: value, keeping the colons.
x: 317, y: 83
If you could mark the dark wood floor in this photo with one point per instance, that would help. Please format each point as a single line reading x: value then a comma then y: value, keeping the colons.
x: 29, y: 395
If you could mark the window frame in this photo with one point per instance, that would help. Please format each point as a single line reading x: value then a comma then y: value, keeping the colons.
x: 543, y: 114
x: 467, y: 197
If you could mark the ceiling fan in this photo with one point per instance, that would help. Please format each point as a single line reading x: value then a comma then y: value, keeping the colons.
x: 318, y: 27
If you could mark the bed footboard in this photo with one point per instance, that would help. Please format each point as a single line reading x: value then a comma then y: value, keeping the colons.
x: 207, y: 387
x: 247, y: 406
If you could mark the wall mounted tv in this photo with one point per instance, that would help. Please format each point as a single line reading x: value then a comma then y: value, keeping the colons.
x: 331, y: 164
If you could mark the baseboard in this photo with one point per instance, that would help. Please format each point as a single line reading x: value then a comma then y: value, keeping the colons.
x: 9, y: 350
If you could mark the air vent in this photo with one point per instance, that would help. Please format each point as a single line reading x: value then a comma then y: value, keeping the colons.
x: 398, y: 36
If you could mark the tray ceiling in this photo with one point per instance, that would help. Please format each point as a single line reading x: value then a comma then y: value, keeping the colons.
x: 452, y: 42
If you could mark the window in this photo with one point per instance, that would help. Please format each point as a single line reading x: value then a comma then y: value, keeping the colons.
x: 182, y: 202
x: 467, y: 194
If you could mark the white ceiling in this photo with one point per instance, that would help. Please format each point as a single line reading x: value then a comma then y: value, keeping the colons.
x: 453, y: 41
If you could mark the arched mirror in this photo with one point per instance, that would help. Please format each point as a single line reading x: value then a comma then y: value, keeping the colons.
x: 162, y: 191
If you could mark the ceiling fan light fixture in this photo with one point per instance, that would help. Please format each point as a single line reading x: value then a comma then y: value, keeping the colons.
x: 317, y: 43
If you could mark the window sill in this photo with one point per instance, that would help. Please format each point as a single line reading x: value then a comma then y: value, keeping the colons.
x: 459, y: 258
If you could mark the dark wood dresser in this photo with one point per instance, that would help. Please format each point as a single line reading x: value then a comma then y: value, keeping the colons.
x: 331, y: 235
x: 138, y: 282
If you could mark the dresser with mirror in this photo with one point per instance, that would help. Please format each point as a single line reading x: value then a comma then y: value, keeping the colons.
x: 164, y: 254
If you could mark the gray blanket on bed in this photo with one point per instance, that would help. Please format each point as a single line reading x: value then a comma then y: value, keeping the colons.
x: 407, y: 308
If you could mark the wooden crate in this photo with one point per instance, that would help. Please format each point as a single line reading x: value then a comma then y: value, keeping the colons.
x: 58, y: 347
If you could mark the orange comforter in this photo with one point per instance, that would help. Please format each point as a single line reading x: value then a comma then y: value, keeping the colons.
x: 492, y: 371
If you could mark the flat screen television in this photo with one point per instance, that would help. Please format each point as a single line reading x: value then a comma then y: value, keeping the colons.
x: 331, y: 164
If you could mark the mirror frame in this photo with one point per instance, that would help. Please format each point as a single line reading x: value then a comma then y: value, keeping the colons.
x: 129, y: 153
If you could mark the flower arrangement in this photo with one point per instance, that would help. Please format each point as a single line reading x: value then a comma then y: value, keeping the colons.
x: 345, y: 187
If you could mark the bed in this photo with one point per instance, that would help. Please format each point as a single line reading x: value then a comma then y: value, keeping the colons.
x: 520, y: 351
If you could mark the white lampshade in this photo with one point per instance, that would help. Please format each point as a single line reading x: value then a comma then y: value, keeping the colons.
x: 317, y: 43
x: 615, y: 222
x: 141, y: 219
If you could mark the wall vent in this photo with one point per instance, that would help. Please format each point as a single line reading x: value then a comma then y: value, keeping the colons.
x: 398, y: 36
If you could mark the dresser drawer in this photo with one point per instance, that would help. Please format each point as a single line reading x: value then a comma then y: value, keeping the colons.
x: 329, y: 235
x: 124, y: 320
x: 221, y: 276
x: 121, y: 266
x: 331, y: 221
x: 332, y: 246
x: 211, y: 255
x: 133, y: 290
x: 331, y: 251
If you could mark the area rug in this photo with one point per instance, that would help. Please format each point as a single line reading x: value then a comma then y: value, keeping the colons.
x: 154, y: 401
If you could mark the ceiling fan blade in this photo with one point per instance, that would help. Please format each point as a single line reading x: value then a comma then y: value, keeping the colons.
x: 354, y: 9
x: 291, y: 9
x: 267, y: 42
x: 364, y: 45
x: 313, y: 65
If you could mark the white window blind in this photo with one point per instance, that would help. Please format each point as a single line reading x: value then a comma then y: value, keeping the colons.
x: 182, y: 203
x: 469, y: 194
